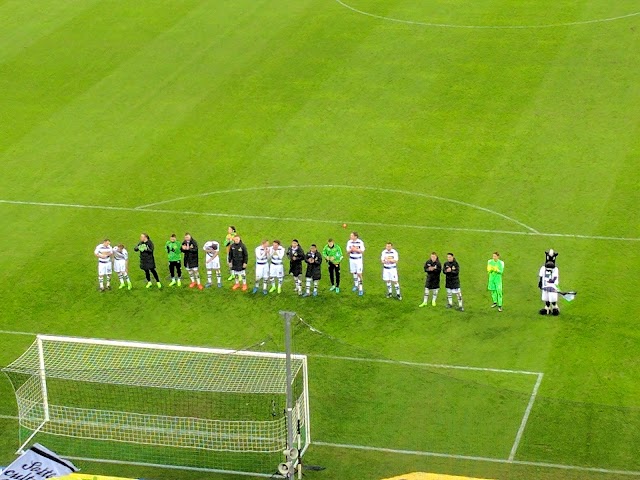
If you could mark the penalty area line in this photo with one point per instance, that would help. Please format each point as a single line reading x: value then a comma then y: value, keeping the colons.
x: 314, y: 220
x: 525, y: 417
x: 478, y: 459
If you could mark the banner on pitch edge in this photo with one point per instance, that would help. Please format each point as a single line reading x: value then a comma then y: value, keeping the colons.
x: 37, y: 463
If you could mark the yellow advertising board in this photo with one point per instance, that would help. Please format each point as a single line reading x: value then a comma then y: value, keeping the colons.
x: 432, y: 476
x: 86, y: 476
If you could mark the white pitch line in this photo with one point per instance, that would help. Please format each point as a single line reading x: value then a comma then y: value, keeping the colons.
x: 8, y: 417
x: 525, y: 418
x: 478, y: 459
x: 12, y: 332
x: 313, y: 220
x: 487, y: 27
x: 419, y: 364
x: 350, y: 187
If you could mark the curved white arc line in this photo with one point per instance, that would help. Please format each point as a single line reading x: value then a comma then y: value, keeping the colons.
x: 356, y: 187
x: 487, y: 27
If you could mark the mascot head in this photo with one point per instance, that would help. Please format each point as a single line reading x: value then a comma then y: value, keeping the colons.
x: 550, y: 256
x: 550, y: 265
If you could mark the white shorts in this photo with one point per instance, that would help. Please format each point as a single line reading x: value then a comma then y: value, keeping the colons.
x: 453, y: 290
x: 276, y: 271
x: 239, y: 272
x: 390, y: 274
x: 262, y: 270
x: 550, y: 297
x: 213, y: 264
x: 355, y: 265
x: 104, y: 268
x: 120, y: 266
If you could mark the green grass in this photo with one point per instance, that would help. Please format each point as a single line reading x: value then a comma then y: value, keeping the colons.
x: 123, y: 104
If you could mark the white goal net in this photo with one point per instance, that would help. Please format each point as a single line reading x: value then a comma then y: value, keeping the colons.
x: 166, y: 405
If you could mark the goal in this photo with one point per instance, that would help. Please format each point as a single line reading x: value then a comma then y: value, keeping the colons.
x: 162, y: 405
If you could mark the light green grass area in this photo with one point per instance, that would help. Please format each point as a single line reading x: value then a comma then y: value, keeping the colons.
x: 288, y: 119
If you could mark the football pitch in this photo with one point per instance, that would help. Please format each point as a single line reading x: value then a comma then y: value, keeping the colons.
x: 448, y: 126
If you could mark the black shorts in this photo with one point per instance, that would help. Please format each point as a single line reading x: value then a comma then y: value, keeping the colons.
x: 295, y: 269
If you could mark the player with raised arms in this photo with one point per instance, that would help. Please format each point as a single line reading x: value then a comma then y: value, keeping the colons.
x: 121, y: 266
x: 212, y: 262
x: 103, y: 252
x: 262, y: 267
x: 276, y: 268
x: 355, y: 249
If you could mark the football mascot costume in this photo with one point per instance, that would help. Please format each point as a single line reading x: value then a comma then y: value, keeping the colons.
x: 548, y: 283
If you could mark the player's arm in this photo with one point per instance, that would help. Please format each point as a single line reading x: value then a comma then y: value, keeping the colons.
x: 245, y: 256
x: 500, y: 267
x: 96, y: 252
x: 438, y: 268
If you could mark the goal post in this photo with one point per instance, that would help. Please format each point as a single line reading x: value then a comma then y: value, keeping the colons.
x: 198, y: 408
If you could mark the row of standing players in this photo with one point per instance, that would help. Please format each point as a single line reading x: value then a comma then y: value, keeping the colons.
x: 270, y: 267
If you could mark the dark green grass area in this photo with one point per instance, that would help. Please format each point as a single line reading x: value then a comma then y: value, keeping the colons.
x: 108, y: 103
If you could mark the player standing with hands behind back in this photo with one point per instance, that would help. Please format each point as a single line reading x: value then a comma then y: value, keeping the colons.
x: 355, y: 249
x: 495, y: 268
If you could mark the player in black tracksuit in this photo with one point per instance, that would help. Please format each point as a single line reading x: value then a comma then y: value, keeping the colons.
x: 433, y: 267
x: 190, y: 251
x: 296, y: 257
x: 451, y: 271
x: 238, y: 258
x: 314, y: 272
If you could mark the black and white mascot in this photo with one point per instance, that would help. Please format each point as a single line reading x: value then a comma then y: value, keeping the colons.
x: 548, y: 283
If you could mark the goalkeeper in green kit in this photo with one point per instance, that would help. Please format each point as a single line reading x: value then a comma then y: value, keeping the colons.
x: 495, y: 268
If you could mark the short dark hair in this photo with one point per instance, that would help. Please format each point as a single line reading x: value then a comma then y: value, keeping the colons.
x: 434, y: 253
x: 173, y: 235
x: 496, y: 253
x: 314, y: 245
x: 106, y: 240
x: 121, y: 245
x: 355, y: 234
x: 277, y: 241
x: 232, y: 228
x: 390, y: 243
x: 186, y: 233
x: 330, y: 240
x: 451, y: 254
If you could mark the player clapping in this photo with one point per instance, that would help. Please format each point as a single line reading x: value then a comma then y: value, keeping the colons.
x: 432, y: 267
x: 296, y: 257
x: 237, y: 258
x: 262, y: 267
x: 355, y: 249
x: 212, y: 262
x: 103, y: 252
x: 190, y: 252
x: 389, y: 259
x: 314, y: 272
x: 451, y: 271
x: 173, y: 247
x: 121, y: 266
x: 276, y: 268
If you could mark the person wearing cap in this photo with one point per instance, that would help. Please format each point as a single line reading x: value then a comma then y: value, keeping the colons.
x: 332, y: 254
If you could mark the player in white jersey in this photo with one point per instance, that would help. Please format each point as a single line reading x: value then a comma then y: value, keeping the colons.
x: 212, y: 262
x: 389, y: 258
x: 121, y: 266
x: 276, y: 267
x: 355, y: 248
x: 262, y: 267
x: 103, y: 252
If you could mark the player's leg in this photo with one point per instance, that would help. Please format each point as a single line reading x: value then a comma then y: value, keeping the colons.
x: 359, y: 273
x: 553, y: 298
x: 499, y: 294
x: 265, y: 279
x: 396, y: 282
x: 272, y: 278
x: 155, y: 276
x: 459, y: 295
x: 147, y: 274
x: 316, y: 281
x: 434, y: 296
x: 108, y: 271
x: 236, y: 279
x: 192, y: 276
x: 257, y: 283
x: 209, y: 269
x: 218, y: 276
x: 243, y: 278
x: 337, y: 271
x: 449, y: 297
x: 425, y: 297
x: 332, y: 269
x: 307, y: 289
x: 101, y: 282
x: 172, y: 273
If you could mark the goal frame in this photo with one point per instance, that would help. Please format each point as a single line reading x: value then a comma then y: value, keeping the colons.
x: 42, y: 374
